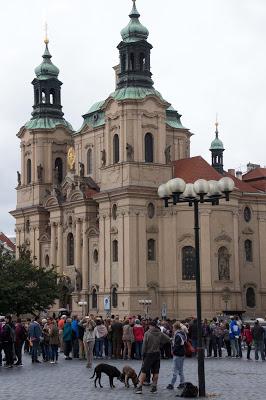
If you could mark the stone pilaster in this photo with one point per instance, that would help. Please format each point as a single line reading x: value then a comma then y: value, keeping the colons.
x: 236, y: 269
x: 60, y: 248
x: 262, y: 255
x: 78, y: 245
x: 85, y: 263
x: 205, y: 250
x: 53, y: 244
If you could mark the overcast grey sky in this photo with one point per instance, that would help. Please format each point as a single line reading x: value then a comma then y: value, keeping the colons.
x: 209, y: 56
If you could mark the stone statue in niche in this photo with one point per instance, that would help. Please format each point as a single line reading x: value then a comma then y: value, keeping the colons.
x: 223, y: 264
x: 167, y: 154
x: 130, y: 152
x: 81, y: 169
x: 56, y: 175
x: 78, y: 280
x: 39, y: 172
x: 65, y: 290
x: 103, y: 157
x: 19, y: 178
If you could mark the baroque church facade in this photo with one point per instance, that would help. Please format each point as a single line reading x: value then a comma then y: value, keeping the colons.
x: 87, y: 201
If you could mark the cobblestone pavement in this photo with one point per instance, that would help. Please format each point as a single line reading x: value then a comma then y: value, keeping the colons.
x: 69, y: 380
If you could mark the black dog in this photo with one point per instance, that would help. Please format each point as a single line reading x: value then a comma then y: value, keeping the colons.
x: 109, y: 370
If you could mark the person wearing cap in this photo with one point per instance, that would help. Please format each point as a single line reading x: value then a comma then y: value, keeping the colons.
x: 153, y: 340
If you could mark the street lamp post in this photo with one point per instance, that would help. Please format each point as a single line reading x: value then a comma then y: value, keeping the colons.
x: 178, y: 191
x: 146, y: 304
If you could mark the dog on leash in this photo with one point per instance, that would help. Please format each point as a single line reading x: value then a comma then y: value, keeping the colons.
x: 109, y: 370
x: 129, y: 373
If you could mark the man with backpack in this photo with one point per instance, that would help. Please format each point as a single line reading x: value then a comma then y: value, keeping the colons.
x: 179, y: 340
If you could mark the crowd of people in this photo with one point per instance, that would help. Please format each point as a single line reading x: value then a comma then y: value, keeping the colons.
x: 94, y: 337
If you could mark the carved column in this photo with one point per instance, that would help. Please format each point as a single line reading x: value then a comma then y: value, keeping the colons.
x: 78, y: 245
x: 236, y: 276
x: 262, y: 247
x: 85, y: 264
x: 60, y: 248
x: 23, y: 177
x: 53, y: 244
x: 205, y: 248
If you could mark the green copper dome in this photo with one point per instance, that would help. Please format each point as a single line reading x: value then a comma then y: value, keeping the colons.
x: 46, y: 70
x: 134, y: 31
x: 217, y: 144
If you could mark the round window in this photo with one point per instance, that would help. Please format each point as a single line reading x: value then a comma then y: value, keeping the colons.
x: 247, y: 214
x: 151, y: 210
x: 95, y: 256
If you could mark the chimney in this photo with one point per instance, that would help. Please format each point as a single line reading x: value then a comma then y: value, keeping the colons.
x: 232, y: 172
x: 239, y: 175
x: 116, y: 68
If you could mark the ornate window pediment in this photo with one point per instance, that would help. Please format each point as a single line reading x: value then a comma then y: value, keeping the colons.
x: 186, y: 236
x: 247, y: 231
x: 223, y: 237
x: 152, y: 229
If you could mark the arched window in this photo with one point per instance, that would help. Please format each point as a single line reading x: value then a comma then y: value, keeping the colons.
x: 148, y: 147
x: 142, y: 61
x: 123, y: 63
x: 89, y: 162
x: 248, y: 250
x: 29, y: 171
x: 36, y: 96
x: 58, y: 165
x: 188, y: 263
x: 116, y: 148
x: 114, y: 212
x: 132, y: 61
x: 70, y: 249
x: 114, y: 298
x: 223, y: 264
x: 43, y: 96
x: 115, y: 250
x: 151, y: 250
x: 250, y: 297
x: 52, y: 96
x: 94, y: 299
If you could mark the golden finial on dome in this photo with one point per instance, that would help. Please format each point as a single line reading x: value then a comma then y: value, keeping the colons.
x: 46, y: 40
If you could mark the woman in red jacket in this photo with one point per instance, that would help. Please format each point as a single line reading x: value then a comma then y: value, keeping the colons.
x: 248, y: 338
x: 138, y: 332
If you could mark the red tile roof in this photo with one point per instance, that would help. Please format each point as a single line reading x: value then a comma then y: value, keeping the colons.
x: 5, y: 240
x: 191, y: 169
x: 256, y: 173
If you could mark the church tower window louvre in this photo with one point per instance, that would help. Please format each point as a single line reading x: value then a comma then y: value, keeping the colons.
x: 151, y: 250
x: 115, y: 250
x: 116, y: 149
x: 148, y: 148
x: 59, y: 169
x: 28, y: 171
x: 248, y: 250
x: 94, y: 299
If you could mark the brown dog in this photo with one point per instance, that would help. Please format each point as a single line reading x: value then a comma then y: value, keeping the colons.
x: 129, y: 373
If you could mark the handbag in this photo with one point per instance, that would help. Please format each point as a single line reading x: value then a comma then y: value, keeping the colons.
x: 189, y: 349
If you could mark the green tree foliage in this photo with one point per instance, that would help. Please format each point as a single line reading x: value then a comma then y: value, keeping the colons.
x: 25, y: 288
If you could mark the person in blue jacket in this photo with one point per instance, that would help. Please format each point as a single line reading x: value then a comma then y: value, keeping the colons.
x: 67, y: 338
x: 234, y: 333
x: 35, y: 334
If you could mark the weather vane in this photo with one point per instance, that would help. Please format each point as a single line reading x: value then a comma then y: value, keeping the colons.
x: 216, y: 122
x: 46, y: 40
